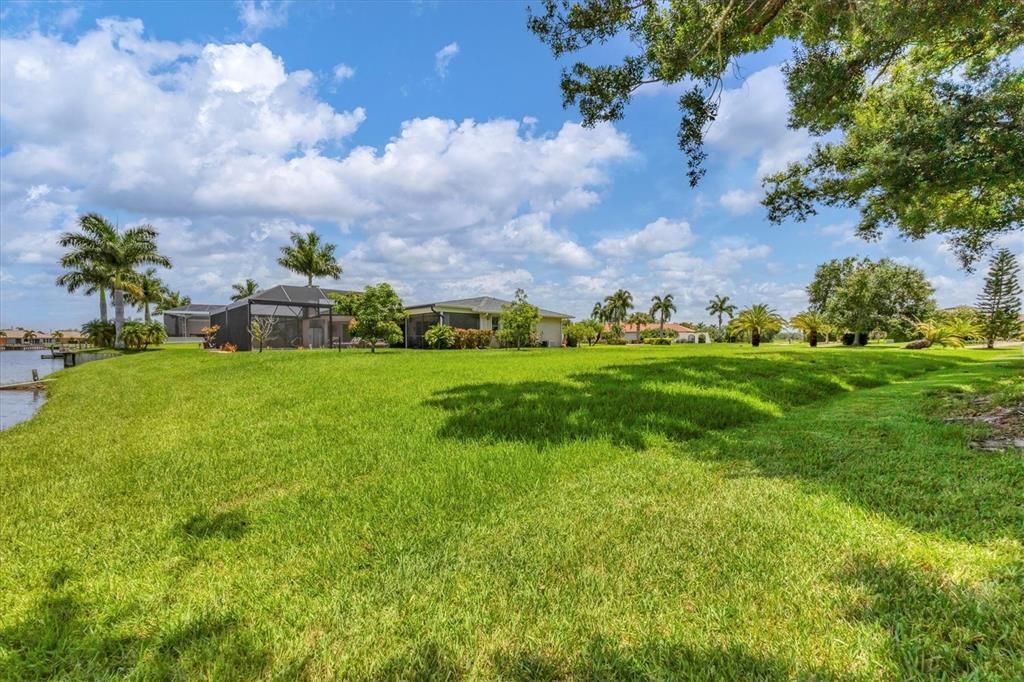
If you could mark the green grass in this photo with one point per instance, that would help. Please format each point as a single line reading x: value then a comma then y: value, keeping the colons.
x: 653, y: 512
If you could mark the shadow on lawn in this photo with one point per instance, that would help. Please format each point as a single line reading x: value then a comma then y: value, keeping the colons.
x: 600, y: 659
x: 679, y: 399
x: 884, y: 454
x: 943, y: 630
x: 61, y: 639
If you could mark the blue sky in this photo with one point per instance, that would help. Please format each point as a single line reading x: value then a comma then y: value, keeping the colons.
x: 427, y: 140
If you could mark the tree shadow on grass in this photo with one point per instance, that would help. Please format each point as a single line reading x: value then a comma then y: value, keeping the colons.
x: 229, y: 525
x: 943, y: 630
x: 61, y: 638
x: 599, y: 659
x: 680, y: 399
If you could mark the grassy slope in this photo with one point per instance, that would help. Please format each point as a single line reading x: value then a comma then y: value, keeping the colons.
x: 684, y: 511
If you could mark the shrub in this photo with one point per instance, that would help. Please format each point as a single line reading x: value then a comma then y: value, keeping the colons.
x: 919, y: 344
x: 848, y: 338
x: 440, y: 336
x: 466, y: 339
x: 208, y: 335
x: 99, y: 333
x: 657, y: 341
x: 229, y: 347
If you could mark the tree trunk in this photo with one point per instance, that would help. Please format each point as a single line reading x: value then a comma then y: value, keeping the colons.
x: 118, y: 317
x: 103, y: 304
x: 814, y: 338
x: 146, y: 312
x: 755, y: 338
x: 310, y: 280
x: 990, y: 343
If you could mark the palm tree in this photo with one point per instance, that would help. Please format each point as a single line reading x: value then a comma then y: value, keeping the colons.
x: 637, y: 319
x: 662, y: 307
x: 28, y: 336
x: 101, y: 244
x: 172, y: 300
x: 618, y: 305
x: 245, y: 290
x: 90, y: 277
x: 308, y: 256
x: 756, y: 320
x: 719, y: 306
x: 151, y: 290
x: 810, y: 323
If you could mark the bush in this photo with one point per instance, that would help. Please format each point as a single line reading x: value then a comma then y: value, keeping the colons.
x: 466, y: 339
x: 229, y: 347
x: 440, y: 336
x: 919, y: 344
x: 99, y: 333
x: 140, y: 335
x: 657, y: 341
x: 848, y: 338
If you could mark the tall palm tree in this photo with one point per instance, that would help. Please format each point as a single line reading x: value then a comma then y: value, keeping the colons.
x: 756, y: 320
x: 618, y: 305
x: 119, y: 252
x: 308, y: 255
x: 245, y: 290
x: 637, y: 319
x: 150, y: 290
x: 662, y: 307
x: 92, y: 279
x: 719, y: 305
x: 811, y: 324
x: 172, y: 300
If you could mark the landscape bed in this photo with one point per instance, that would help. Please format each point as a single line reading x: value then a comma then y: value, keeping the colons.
x: 659, y: 512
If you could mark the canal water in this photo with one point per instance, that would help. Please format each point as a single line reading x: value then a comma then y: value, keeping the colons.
x: 17, y: 366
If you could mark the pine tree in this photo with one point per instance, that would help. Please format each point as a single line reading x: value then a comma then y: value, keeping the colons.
x: 999, y: 302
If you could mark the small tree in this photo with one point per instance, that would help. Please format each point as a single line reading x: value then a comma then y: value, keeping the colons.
x: 590, y: 331
x: 999, y: 302
x: 209, y: 333
x: 378, y: 314
x: 261, y: 329
x: 518, y: 322
x: 344, y: 304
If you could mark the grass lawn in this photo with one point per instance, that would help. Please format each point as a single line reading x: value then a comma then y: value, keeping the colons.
x: 659, y: 512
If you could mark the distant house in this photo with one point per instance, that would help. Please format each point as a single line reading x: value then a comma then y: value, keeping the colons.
x: 15, y: 338
x: 683, y: 333
x: 190, y: 319
x: 481, y: 312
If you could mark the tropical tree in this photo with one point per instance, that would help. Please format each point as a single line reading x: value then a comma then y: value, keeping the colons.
x: 718, y: 306
x: 637, y: 319
x: 617, y: 306
x: 92, y: 279
x: 29, y: 336
x: 999, y: 301
x: 308, y: 255
x: 937, y: 333
x: 662, y: 307
x: 172, y: 300
x: 149, y: 290
x: 378, y: 314
x: 244, y: 290
x: 757, y: 320
x: 916, y: 104
x: 98, y: 243
x: 811, y: 324
x: 99, y: 333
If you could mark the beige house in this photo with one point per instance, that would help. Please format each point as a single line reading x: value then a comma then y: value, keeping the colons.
x: 683, y: 333
x: 482, y: 312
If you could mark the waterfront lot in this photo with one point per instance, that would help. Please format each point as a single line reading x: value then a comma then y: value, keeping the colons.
x: 685, y: 511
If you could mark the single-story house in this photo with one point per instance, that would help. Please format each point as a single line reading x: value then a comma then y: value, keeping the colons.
x: 481, y: 312
x: 15, y: 338
x: 302, y: 316
x: 190, y: 319
x: 683, y: 333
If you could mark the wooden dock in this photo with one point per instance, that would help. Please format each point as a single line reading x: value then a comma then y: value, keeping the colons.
x: 25, y: 385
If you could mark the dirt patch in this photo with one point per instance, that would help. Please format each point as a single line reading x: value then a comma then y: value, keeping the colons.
x: 1005, y: 422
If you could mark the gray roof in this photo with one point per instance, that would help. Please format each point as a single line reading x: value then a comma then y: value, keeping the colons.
x: 485, y: 304
x: 285, y: 294
x: 195, y: 309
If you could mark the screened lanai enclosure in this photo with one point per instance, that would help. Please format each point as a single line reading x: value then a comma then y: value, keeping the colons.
x: 189, y: 320
x: 297, y: 317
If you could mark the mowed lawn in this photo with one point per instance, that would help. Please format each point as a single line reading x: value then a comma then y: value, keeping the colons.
x: 595, y: 513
